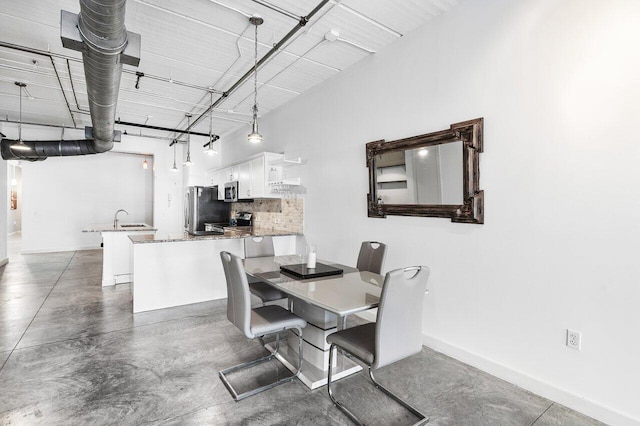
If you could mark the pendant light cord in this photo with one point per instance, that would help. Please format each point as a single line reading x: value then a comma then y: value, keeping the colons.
x: 255, y: 75
x: 211, y: 121
x: 20, y: 120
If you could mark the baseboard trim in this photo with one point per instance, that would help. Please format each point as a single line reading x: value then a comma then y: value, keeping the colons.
x: 547, y: 390
x: 58, y: 249
x: 4, y: 262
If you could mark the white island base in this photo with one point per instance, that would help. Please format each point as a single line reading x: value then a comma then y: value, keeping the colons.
x: 171, y: 274
x: 186, y: 270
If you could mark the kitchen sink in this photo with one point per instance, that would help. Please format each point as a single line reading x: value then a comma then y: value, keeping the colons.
x: 133, y: 225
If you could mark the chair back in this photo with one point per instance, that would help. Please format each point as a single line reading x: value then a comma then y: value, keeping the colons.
x: 238, y: 296
x: 399, y: 323
x: 258, y: 247
x: 371, y: 256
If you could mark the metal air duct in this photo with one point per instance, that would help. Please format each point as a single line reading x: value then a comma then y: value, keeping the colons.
x: 98, y: 31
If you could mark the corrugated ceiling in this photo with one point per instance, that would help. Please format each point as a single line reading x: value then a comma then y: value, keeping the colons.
x: 190, y: 46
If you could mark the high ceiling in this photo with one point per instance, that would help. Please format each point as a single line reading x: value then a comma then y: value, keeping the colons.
x: 190, y: 47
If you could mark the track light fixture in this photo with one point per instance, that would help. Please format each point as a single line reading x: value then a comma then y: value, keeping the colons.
x: 212, y: 138
x: 255, y: 136
x: 188, y: 162
x: 174, y: 168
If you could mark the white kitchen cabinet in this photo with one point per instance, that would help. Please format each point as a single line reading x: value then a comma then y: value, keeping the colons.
x: 244, y: 180
x: 256, y: 177
x: 211, y: 178
x: 216, y: 178
x: 230, y: 174
x: 258, y: 189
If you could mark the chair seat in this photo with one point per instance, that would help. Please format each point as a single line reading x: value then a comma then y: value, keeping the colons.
x: 269, y: 319
x: 266, y: 292
x: 359, y: 341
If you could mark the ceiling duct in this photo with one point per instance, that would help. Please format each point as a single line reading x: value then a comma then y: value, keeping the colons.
x: 98, y: 31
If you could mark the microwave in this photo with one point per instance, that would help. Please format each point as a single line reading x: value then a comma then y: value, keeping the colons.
x: 231, y: 191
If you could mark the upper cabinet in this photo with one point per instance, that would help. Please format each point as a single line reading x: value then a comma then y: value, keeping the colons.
x: 260, y: 177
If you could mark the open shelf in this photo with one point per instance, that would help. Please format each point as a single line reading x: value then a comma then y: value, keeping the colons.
x: 286, y: 162
x: 289, y: 181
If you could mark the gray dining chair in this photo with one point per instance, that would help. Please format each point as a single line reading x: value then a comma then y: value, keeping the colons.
x: 261, y: 247
x: 371, y: 256
x: 255, y: 323
x: 396, y: 334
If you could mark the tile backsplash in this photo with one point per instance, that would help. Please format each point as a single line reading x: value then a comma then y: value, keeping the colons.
x: 274, y: 214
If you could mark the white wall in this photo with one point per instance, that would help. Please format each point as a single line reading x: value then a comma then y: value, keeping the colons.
x: 63, y: 195
x: 557, y: 84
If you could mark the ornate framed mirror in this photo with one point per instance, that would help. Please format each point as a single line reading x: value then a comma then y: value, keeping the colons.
x: 434, y: 175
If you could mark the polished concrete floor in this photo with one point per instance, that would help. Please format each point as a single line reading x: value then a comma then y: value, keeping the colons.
x: 71, y: 352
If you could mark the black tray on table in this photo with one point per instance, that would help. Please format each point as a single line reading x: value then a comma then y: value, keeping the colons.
x: 301, y: 271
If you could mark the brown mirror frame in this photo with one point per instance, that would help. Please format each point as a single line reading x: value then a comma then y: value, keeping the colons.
x: 472, y: 209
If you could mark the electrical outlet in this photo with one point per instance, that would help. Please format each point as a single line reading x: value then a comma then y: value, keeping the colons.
x: 573, y: 339
x: 276, y: 220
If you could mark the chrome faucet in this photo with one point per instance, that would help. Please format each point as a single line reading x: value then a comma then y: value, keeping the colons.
x: 115, y: 217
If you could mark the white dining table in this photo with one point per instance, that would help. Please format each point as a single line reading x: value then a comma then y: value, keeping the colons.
x: 324, y: 303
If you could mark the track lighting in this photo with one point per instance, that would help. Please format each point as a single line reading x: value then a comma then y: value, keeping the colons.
x: 188, y: 162
x: 212, y: 138
x: 174, y: 168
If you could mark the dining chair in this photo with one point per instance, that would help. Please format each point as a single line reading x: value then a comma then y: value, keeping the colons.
x: 255, y: 323
x: 261, y: 247
x: 396, y: 334
x: 371, y: 256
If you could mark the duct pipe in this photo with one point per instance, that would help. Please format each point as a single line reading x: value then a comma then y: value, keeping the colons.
x: 98, y: 31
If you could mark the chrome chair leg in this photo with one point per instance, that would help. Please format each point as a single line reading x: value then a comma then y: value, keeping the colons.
x: 422, y: 418
x: 277, y: 347
x: 341, y: 407
x: 236, y: 396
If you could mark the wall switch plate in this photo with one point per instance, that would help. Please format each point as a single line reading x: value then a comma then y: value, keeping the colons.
x: 573, y: 339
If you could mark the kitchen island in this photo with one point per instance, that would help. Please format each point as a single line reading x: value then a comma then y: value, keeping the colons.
x: 180, y: 269
x: 116, y: 254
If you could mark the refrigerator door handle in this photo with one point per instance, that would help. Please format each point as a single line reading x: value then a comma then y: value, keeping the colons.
x: 186, y: 211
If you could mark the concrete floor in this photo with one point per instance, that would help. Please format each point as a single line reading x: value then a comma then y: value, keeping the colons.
x: 71, y: 352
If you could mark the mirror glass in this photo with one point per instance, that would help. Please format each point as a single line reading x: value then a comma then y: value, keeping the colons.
x: 435, y: 175
x: 424, y: 175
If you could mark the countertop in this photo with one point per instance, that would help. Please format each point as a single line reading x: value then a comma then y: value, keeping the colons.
x: 109, y: 228
x: 229, y: 232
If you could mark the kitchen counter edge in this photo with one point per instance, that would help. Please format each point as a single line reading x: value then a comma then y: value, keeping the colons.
x: 110, y: 228
x: 228, y: 234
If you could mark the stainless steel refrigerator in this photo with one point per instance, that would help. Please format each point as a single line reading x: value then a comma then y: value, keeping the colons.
x: 203, y: 207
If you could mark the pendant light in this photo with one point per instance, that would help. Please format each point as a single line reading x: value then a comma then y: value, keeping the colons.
x: 212, y: 138
x: 145, y: 165
x: 255, y: 136
x: 174, y: 168
x: 20, y: 146
x: 188, y: 162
